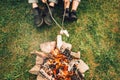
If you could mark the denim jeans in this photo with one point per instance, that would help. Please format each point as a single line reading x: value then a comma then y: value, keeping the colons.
x: 36, y: 1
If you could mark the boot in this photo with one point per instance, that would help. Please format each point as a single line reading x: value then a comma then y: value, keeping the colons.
x: 73, y: 15
x: 48, y: 19
x: 38, y: 20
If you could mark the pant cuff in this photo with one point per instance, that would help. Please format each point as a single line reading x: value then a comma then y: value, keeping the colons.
x: 32, y: 1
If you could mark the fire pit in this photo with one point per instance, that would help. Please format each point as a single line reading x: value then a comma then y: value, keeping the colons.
x: 60, y: 63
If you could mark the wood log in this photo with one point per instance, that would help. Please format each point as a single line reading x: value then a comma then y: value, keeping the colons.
x: 35, y: 70
x: 47, y: 47
x: 82, y: 66
x: 46, y: 75
x: 40, y: 54
x: 39, y: 60
x: 76, y: 55
x: 39, y: 77
x: 65, y: 46
x: 59, y: 41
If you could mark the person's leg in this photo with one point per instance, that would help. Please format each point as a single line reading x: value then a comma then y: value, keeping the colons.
x: 66, y: 9
x: 34, y: 5
x: 75, y: 5
x: 66, y: 4
x: 36, y: 12
x: 48, y: 19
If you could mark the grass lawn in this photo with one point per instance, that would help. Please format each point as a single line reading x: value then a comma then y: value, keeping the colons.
x: 96, y: 34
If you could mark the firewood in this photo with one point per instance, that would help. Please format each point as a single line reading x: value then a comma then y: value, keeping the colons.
x: 82, y: 66
x: 76, y: 55
x: 65, y: 45
x: 60, y: 63
x: 41, y: 54
x: 35, y: 70
x: 59, y: 41
x: 47, y: 47
x: 46, y: 75
x: 39, y: 60
x: 40, y: 78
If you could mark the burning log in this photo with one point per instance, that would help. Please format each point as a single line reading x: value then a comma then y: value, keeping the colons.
x: 60, y: 63
x: 39, y: 77
x: 61, y: 66
x: 43, y: 72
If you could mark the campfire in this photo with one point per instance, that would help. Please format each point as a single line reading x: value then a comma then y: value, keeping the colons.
x: 58, y: 62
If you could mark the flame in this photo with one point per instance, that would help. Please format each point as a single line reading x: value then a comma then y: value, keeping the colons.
x: 60, y: 62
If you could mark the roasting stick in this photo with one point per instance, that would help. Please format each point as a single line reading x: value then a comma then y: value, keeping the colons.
x: 62, y: 31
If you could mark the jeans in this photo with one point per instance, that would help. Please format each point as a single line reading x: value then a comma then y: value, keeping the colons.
x: 36, y: 1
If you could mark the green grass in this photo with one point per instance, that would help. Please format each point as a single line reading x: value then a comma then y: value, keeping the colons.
x: 96, y: 35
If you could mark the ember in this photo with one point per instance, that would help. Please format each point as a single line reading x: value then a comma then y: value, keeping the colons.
x: 59, y: 64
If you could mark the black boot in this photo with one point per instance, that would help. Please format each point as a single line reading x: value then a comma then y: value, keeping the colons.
x: 66, y: 14
x: 73, y: 15
x: 38, y: 20
x: 48, y: 19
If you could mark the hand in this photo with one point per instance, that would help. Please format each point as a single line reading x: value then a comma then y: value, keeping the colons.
x: 44, y: 1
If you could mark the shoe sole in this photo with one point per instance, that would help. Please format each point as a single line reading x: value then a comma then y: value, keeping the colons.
x: 47, y: 22
x: 40, y: 23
